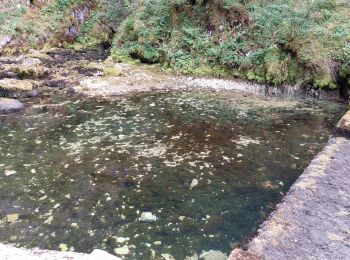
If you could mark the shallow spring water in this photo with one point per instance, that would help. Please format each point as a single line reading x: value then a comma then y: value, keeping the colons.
x: 79, y: 173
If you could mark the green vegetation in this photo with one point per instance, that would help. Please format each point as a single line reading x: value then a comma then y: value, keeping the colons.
x: 268, y: 41
x: 276, y: 42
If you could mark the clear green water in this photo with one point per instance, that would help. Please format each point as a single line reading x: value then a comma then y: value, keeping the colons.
x: 82, y: 171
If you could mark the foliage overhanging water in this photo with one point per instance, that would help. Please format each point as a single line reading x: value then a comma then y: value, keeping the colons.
x: 80, y: 172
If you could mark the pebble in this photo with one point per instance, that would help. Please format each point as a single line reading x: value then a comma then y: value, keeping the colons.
x: 12, y: 218
x: 121, y: 239
x: 74, y: 225
x: 181, y: 218
x: 9, y: 172
x: 194, y: 183
x: 124, y: 250
x: 148, y: 217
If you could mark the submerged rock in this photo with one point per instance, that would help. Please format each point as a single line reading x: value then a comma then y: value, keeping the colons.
x: 168, y: 257
x: 8, y: 105
x: 148, y: 217
x: 17, y: 88
x: 213, y: 255
x: 194, y: 183
x: 12, y: 218
x: 124, y: 250
x: 9, y: 172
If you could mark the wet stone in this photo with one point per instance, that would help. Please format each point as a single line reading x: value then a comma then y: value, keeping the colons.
x: 148, y: 217
x: 12, y: 218
x: 213, y: 255
x: 8, y: 105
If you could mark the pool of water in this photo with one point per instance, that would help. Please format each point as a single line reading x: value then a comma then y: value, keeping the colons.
x: 77, y: 174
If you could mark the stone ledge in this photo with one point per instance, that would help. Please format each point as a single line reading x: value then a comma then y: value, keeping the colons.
x: 343, y: 126
x: 12, y: 253
x: 312, y: 220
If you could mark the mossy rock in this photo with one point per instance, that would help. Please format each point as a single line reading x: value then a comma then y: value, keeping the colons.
x: 112, y: 71
x: 13, y: 88
x: 28, y: 71
x: 38, y: 55
x: 109, y: 69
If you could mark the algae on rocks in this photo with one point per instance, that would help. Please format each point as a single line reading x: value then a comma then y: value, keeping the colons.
x: 13, y: 88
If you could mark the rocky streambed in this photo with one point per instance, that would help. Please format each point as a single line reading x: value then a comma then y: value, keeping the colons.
x: 142, y: 164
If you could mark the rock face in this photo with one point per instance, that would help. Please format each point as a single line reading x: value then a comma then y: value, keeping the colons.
x: 13, y: 88
x: 8, y: 105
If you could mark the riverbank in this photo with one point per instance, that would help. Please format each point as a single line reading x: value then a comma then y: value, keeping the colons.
x: 92, y: 74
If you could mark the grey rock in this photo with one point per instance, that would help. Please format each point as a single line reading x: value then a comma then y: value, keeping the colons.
x: 148, y: 217
x: 4, y: 41
x: 213, y: 255
x: 8, y: 105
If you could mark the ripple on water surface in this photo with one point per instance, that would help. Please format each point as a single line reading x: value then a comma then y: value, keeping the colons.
x: 77, y: 174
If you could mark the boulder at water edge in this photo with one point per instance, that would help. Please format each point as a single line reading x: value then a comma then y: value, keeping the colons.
x: 14, y: 88
x: 8, y: 105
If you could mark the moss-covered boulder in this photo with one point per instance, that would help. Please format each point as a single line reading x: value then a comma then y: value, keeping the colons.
x: 13, y: 88
x: 25, y: 72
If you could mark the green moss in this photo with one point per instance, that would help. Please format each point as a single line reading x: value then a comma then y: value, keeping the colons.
x: 253, y: 76
x: 324, y: 81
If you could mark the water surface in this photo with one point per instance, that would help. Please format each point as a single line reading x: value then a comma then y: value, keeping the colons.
x: 81, y: 172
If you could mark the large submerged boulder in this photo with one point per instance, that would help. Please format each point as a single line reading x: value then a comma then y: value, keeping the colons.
x: 14, y: 88
x: 8, y: 105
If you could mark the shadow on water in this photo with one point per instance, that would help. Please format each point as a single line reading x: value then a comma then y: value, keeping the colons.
x: 210, y: 166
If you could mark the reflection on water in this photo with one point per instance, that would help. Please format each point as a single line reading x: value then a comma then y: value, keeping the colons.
x: 77, y: 174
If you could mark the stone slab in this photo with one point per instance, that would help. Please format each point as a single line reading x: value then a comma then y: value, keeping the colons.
x: 313, y: 220
x: 343, y: 126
